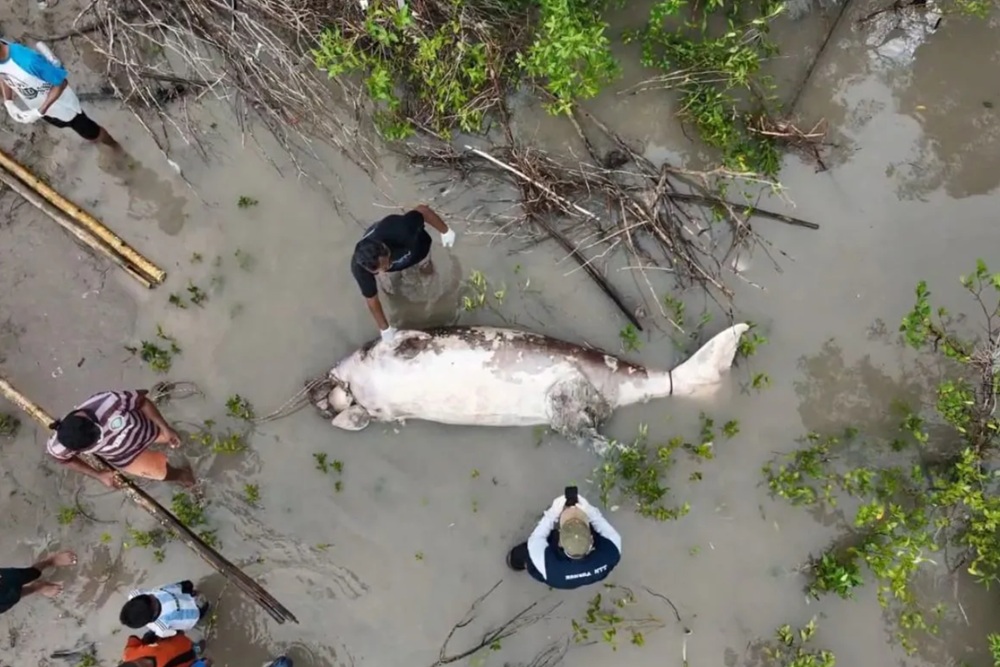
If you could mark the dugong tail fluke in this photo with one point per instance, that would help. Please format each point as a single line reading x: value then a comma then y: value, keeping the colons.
x: 703, y: 372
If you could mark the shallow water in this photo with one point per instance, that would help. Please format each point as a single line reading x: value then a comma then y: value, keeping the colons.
x: 378, y: 572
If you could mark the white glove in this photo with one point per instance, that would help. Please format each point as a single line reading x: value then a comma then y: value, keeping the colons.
x: 21, y: 115
x: 558, y: 505
x: 448, y: 238
x: 388, y: 334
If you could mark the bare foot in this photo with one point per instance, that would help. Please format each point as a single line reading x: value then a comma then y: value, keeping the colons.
x: 46, y: 588
x: 49, y: 589
x: 60, y: 559
x: 64, y: 559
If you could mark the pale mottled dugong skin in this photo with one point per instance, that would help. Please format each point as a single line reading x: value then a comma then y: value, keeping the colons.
x: 491, y: 376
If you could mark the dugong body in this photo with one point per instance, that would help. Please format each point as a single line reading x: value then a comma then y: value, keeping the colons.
x: 492, y: 376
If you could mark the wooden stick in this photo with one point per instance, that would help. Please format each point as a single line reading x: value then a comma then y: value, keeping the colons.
x: 562, y: 240
x: 154, y: 275
x: 254, y: 590
x: 63, y: 221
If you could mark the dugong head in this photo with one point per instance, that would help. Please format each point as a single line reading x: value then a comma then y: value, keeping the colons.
x: 339, y: 399
x: 349, y: 415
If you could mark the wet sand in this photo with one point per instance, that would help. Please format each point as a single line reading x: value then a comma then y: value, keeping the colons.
x: 379, y: 571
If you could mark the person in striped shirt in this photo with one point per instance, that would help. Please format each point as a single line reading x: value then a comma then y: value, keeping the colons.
x: 120, y: 427
x: 164, y: 611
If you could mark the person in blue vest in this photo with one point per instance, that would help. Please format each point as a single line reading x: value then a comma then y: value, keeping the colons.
x: 572, y: 546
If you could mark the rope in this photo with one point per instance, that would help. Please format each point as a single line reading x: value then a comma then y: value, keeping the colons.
x: 164, y: 391
x: 294, y: 404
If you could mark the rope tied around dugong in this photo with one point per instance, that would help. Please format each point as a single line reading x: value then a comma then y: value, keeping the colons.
x: 162, y: 392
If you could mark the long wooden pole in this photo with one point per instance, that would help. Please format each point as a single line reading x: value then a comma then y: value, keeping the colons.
x: 254, y: 590
x: 63, y: 221
x: 152, y: 274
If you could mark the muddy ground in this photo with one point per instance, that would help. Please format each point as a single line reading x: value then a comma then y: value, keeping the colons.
x: 379, y: 571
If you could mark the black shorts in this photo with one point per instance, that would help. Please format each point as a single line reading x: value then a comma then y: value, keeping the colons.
x: 81, y: 124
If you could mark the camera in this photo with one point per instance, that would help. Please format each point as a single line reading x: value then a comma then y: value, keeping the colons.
x: 572, y: 495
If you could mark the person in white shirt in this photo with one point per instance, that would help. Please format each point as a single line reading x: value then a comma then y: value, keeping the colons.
x: 42, y: 85
x: 164, y: 611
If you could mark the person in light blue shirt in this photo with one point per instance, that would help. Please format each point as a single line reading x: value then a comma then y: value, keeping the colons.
x: 42, y: 86
x: 164, y: 611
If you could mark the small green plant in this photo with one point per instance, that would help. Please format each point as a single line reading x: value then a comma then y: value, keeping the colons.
x: 68, y: 515
x: 106, y: 538
x: 629, y: 336
x: 240, y: 408
x: 87, y: 660
x: 251, y: 494
x: 993, y: 641
x: 160, y: 359
x: 196, y: 258
x: 191, y: 513
x: 321, y: 463
x: 246, y: 202
x: 792, y: 648
x: 9, y: 425
x: 605, y: 619
x: 836, y: 574
x: 196, y: 294
x: 159, y: 555
x: 177, y: 301
x: 220, y: 442
x: 144, y: 538
x: 480, y: 294
x: 750, y: 343
x: 635, y: 474
x: 419, y: 555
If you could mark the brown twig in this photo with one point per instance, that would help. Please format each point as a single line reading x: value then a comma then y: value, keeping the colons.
x: 492, y: 637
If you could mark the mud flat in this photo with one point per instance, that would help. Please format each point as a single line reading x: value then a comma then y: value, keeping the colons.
x: 380, y: 559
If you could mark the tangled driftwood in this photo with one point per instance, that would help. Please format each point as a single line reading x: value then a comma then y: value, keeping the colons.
x: 252, y: 54
x: 665, y: 218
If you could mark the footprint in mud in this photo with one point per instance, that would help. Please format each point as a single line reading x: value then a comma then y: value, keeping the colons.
x: 149, y: 195
x: 428, y: 300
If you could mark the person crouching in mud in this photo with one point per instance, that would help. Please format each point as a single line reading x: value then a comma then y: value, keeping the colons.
x: 120, y: 427
x: 395, y: 243
x: 572, y: 546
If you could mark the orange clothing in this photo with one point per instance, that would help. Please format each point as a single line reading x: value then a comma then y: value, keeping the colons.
x: 176, y: 651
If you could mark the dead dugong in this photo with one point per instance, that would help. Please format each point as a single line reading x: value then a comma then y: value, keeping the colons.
x: 491, y: 376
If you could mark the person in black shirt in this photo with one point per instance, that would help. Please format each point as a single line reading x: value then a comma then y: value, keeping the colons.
x: 395, y: 243
x: 16, y: 582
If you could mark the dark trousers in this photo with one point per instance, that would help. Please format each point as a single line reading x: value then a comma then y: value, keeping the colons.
x: 517, y: 558
x: 12, y: 580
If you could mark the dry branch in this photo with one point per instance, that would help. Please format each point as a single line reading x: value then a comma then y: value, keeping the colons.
x: 522, y: 619
x: 252, y: 54
x: 664, y: 217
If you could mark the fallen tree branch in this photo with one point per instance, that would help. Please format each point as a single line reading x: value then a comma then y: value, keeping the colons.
x: 492, y: 637
x: 587, y: 266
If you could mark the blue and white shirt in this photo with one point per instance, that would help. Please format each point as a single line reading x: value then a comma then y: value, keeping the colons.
x: 178, y: 610
x: 31, y: 76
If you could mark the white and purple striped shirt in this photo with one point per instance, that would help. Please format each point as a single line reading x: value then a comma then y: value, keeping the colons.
x: 178, y: 610
x: 125, y: 431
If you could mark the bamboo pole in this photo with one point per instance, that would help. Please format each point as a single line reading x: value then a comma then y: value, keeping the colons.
x: 48, y: 209
x: 154, y: 275
x: 242, y: 581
